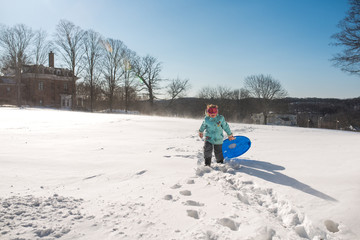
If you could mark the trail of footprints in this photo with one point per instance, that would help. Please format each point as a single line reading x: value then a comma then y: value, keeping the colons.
x: 247, y: 194
x: 194, y: 213
x: 266, y: 200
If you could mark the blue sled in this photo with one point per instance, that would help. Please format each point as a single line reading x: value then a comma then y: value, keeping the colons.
x: 236, y: 147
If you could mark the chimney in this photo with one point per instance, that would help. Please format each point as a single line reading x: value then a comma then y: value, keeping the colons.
x: 51, y: 59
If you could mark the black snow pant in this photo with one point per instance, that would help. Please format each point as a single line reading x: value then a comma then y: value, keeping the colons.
x: 208, y: 149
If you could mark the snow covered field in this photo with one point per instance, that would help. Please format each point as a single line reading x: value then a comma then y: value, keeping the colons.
x: 72, y: 175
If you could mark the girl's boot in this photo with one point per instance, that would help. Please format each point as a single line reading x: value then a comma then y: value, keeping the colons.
x: 207, y: 161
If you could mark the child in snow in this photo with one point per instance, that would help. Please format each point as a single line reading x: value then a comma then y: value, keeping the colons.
x: 214, y: 125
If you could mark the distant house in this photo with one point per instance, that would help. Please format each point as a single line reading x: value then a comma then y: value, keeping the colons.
x: 40, y: 86
x: 8, y: 90
x: 258, y: 118
x: 275, y: 119
x: 282, y: 119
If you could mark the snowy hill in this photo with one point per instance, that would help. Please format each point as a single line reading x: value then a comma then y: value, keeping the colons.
x: 71, y: 175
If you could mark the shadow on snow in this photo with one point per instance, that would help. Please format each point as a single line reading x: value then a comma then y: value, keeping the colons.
x: 269, y: 172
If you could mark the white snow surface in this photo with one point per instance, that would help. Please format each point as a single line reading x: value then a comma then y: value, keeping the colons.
x: 74, y: 175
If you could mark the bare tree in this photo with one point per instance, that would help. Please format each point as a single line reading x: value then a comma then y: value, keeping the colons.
x: 224, y: 92
x: 83, y: 88
x: 42, y: 47
x: 177, y: 88
x: 94, y: 50
x: 208, y: 93
x: 240, y: 94
x: 2, y: 64
x: 148, y: 69
x: 244, y: 93
x: 219, y: 93
x: 115, y: 53
x: 349, y: 39
x: 265, y: 88
x: 69, y: 40
x: 15, y: 43
x: 129, y: 77
x: 225, y: 100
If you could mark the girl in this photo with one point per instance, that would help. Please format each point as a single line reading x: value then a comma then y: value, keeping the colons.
x: 214, y: 125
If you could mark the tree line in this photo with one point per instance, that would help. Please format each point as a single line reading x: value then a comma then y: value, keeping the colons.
x: 109, y: 68
x: 111, y: 71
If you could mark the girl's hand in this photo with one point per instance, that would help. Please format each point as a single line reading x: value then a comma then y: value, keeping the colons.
x: 201, y: 134
x: 231, y: 137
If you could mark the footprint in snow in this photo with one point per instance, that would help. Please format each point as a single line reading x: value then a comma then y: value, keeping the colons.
x: 171, y: 198
x: 193, y: 214
x: 227, y: 222
x: 301, y: 231
x: 168, y: 197
x: 266, y: 233
x: 190, y: 181
x: 202, y: 170
x: 243, y: 198
x: 44, y: 233
x: 331, y: 226
x: 193, y: 203
x: 141, y: 172
x: 176, y: 186
x: 185, y: 193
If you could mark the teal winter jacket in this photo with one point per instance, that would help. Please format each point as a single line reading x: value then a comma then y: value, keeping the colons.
x: 214, y: 128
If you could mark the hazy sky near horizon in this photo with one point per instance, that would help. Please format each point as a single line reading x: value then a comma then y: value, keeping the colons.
x: 213, y: 42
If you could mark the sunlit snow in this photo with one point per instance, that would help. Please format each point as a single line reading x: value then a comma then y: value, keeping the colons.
x: 74, y: 175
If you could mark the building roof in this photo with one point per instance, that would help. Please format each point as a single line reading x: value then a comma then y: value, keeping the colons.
x: 38, y: 71
x: 41, y: 69
x: 7, y: 80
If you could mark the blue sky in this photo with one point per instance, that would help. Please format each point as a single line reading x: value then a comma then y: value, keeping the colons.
x: 214, y: 42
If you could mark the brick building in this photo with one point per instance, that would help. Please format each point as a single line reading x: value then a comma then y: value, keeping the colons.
x: 40, y: 86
